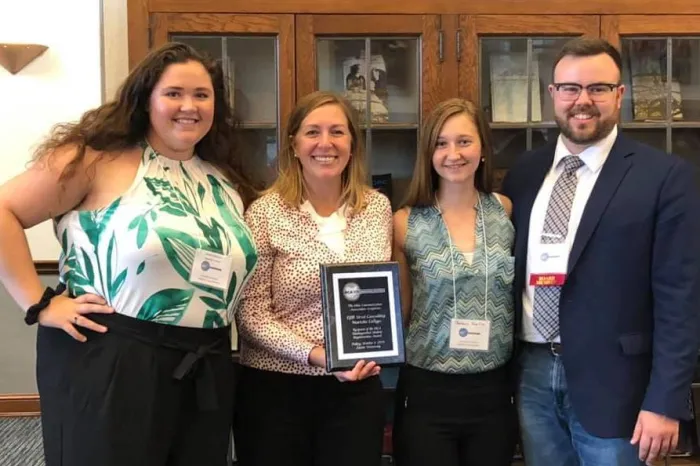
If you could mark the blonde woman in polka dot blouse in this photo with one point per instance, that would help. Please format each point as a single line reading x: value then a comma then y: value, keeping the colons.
x: 320, y: 210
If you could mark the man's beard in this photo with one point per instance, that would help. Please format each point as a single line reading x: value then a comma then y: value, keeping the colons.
x: 601, y: 130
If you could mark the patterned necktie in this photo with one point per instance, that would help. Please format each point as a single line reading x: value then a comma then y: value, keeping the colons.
x: 556, y: 226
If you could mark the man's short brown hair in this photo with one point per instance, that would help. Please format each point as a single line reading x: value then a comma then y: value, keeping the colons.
x: 588, y: 47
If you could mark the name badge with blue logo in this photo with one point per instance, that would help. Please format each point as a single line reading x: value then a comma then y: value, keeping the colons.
x: 470, y: 334
x: 549, y: 265
x: 211, y: 269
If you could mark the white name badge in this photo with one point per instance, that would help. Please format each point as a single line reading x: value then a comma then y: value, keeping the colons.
x: 211, y: 269
x: 549, y: 265
x: 470, y: 334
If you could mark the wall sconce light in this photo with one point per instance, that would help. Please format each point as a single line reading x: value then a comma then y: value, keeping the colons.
x: 14, y: 57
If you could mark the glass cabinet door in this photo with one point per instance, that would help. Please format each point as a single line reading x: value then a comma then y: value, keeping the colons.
x: 379, y: 77
x: 252, y: 51
x: 662, y: 104
x: 661, y: 73
x: 508, y: 76
x: 382, y: 76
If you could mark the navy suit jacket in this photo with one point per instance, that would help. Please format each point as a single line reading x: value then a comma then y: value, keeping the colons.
x: 629, y: 313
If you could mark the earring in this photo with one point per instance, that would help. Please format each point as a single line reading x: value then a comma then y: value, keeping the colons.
x: 296, y: 155
x: 483, y: 159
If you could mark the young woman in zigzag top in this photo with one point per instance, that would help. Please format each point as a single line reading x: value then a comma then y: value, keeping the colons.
x: 133, y: 359
x: 453, y: 240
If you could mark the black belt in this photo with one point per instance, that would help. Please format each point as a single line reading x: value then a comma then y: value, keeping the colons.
x: 552, y: 347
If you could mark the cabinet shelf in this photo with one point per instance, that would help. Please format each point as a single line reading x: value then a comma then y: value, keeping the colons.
x: 659, y: 124
x: 258, y: 125
x: 390, y: 126
x: 523, y: 125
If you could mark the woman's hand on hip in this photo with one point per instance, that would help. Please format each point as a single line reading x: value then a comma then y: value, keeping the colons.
x: 69, y: 313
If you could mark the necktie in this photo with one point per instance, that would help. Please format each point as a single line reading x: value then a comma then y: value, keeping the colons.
x: 556, y: 226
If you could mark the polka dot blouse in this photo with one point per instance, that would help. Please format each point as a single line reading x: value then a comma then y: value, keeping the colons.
x: 279, y: 319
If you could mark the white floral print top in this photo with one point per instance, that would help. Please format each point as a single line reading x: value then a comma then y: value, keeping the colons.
x: 138, y: 252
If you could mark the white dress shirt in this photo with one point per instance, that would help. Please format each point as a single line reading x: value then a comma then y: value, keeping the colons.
x: 593, y: 158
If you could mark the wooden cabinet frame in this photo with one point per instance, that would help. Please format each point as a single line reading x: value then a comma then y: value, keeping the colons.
x: 612, y: 27
x: 140, y: 11
x: 474, y: 7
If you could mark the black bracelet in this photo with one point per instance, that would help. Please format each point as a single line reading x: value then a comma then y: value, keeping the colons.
x: 32, y: 316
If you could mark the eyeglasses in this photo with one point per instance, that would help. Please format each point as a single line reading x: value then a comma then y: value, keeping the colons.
x: 596, y: 91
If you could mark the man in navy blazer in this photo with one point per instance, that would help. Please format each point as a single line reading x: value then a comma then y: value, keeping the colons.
x: 610, y: 383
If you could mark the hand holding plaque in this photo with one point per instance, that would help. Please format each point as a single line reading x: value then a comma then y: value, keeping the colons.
x: 361, y: 371
x: 361, y: 314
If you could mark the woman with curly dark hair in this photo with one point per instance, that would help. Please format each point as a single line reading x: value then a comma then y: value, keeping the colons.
x: 147, y: 197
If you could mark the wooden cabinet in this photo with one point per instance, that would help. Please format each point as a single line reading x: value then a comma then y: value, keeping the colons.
x: 396, y: 59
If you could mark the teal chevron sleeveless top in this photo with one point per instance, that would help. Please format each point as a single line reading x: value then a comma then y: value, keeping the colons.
x: 428, y: 251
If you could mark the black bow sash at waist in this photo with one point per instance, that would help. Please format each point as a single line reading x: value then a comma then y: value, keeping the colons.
x: 195, y: 343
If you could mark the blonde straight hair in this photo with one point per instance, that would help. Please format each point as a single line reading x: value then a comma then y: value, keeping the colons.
x: 290, y: 180
x: 425, y: 181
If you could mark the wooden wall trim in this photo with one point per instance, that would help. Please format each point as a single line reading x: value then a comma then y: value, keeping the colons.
x: 432, y: 90
x: 541, y: 24
x: 19, y: 405
x: 367, y: 24
x: 610, y: 29
x: 139, y: 40
x: 46, y: 267
x: 158, y: 33
x: 512, y: 7
x: 287, y: 69
x: 453, y: 55
x: 223, y: 23
x: 306, y: 55
x: 664, y: 24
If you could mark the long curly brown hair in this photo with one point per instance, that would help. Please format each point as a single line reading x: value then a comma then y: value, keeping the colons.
x: 123, y: 123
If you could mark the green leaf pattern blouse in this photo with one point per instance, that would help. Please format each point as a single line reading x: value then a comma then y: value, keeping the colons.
x: 138, y: 252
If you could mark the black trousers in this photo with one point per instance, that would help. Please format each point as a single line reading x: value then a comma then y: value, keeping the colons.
x: 300, y: 420
x: 143, y: 394
x: 454, y: 420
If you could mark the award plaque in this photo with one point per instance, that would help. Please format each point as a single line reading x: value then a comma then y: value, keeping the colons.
x: 361, y: 314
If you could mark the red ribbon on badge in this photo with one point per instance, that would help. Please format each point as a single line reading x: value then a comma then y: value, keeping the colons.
x: 547, y: 279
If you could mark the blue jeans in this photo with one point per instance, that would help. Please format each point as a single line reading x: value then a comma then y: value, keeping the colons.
x: 551, y: 433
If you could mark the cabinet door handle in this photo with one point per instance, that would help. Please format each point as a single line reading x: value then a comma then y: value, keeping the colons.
x: 441, y: 54
x: 459, y: 45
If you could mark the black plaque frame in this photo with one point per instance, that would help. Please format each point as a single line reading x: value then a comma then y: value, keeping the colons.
x: 341, y: 286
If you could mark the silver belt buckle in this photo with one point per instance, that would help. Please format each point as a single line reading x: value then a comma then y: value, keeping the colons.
x: 555, y: 348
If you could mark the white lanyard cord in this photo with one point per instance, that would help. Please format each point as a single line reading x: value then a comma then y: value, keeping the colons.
x: 452, y: 260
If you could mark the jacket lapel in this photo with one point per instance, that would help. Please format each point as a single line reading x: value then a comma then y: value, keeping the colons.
x: 610, y: 177
x: 540, y: 166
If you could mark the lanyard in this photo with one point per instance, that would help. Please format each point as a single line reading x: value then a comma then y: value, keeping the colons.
x: 452, y: 259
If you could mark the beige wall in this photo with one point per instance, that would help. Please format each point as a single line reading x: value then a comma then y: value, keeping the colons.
x: 84, y: 65
x: 17, y: 346
x: 115, y: 50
